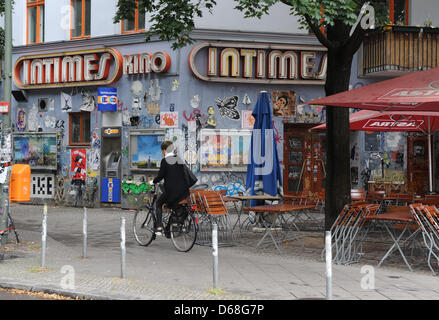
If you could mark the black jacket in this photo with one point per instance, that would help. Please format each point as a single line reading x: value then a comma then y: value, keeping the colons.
x: 176, y: 188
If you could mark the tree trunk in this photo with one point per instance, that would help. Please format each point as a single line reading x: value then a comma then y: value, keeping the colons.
x: 338, y: 178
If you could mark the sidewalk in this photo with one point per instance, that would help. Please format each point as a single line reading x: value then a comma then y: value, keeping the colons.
x: 160, y: 272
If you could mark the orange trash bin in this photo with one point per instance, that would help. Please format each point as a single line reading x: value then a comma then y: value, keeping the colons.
x: 19, y: 184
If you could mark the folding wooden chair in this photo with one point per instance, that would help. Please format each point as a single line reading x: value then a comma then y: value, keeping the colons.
x: 427, y: 218
x: 214, y: 210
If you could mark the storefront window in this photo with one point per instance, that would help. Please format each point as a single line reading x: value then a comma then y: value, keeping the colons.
x: 79, y: 128
x: 136, y: 23
x: 81, y: 17
x: 35, y: 21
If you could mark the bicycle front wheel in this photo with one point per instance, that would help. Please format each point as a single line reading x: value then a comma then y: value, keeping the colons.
x: 143, y: 225
x: 184, y: 235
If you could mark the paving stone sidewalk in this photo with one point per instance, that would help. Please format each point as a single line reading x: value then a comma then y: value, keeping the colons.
x: 160, y: 272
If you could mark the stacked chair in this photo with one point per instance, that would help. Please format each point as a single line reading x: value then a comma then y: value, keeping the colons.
x: 209, y: 208
x: 347, y: 232
x: 427, y: 218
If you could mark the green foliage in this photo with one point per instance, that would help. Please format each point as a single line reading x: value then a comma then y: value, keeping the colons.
x: 173, y: 20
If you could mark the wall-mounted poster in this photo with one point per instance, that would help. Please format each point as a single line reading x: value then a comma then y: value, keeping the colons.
x: 35, y: 149
x: 168, y: 119
x: 224, y: 149
x: 78, y: 164
x: 144, y: 149
x: 284, y: 103
x: 248, y: 120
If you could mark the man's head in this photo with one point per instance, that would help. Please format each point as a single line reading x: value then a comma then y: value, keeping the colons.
x: 167, y: 147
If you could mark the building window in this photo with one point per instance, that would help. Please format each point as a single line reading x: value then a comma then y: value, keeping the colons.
x: 398, y: 12
x: 35, y: 21
x: 136, y: 23
x: 79, y: 128
x: 80, y: 19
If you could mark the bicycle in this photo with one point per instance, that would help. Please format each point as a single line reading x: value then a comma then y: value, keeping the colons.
x: 181, y: 221
x: 9, y: 229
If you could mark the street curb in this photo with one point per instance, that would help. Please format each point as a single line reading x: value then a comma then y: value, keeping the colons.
x: 51, y: 290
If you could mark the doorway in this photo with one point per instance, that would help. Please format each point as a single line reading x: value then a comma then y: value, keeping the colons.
x: 417, y: 163
x: 304, y: 160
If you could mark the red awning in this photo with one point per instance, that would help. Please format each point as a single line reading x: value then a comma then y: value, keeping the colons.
x: 417, y: 91
x: 368, y: 120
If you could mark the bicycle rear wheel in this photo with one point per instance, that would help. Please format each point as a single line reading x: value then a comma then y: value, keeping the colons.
x: 143, y: 225
x: 184, y: 235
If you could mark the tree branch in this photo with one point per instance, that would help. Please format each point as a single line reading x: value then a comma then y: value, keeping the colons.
x: 318, y: 33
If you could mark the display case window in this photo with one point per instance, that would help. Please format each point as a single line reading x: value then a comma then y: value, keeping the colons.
x: 39, y: 150
x: 145, y: 149
x: 225, y: 149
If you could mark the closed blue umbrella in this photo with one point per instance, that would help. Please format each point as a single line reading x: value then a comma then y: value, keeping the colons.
x: 263, y: 171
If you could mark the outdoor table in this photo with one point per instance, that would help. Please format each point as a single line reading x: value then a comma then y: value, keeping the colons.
x: 389, y: 220
x: 276, y: 210
x: 246, y: 199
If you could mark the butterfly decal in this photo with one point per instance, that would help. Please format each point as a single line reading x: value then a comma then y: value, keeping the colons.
x: 227, y: 107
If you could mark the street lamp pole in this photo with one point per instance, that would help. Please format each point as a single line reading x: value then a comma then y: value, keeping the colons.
x: 6, y: 117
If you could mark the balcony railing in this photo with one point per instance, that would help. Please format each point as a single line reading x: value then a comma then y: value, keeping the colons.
x: 398, y: 49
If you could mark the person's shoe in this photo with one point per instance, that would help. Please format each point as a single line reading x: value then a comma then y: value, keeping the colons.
x: 158, y: 231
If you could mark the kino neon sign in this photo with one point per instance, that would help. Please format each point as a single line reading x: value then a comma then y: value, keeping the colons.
x: 98, y: 67
x: 261, y: 63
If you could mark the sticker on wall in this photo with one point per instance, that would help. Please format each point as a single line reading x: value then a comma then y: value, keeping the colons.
x: 246, y: 100
x: 137, y: 88
x: 42, y: 186
x: 248, y: 120
x: 51, y: 104
x: 136, y: 106
x: 192, y: 126
x: 284, y: 103
x: 227, y: 107
x: 78, y: 164
x: 195, y: 101
x: 169, y: 119
x: 50, y: 122
x: 88, y: 101
x: 175, y: 85
x: 66, y: 102
x: 172, y: 107
x: 153, y: 107
x: 154, y: 90
x: 32, y: 119
x: 211, y: 120
x: 21, y: 120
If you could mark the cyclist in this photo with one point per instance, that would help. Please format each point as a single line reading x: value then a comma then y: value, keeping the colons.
x: 176, y: 187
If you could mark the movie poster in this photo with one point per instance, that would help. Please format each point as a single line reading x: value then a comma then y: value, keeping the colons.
x: 284, y: 103
x: 78, y: 164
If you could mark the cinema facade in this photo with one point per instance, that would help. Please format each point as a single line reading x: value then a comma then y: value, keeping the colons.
x: 89, y: 115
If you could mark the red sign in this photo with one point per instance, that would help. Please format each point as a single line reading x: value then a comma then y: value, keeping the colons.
x: 4, y: 107
x: 390, y: 125
x: 78, y: 68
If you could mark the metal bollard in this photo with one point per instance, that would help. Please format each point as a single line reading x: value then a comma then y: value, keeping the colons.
x: 122, y: 247
x: 215, y: 254
x: 328, y: 249
x: 84, y: 234
x: 44, y: 237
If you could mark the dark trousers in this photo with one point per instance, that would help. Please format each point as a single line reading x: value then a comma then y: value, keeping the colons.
x: 158, y: 211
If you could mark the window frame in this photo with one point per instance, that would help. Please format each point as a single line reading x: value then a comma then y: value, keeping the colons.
x: 136, y: 22
x: 38, y: 4
x: 392, y: 11
x: 83, y: 35
x: 81, y: 142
